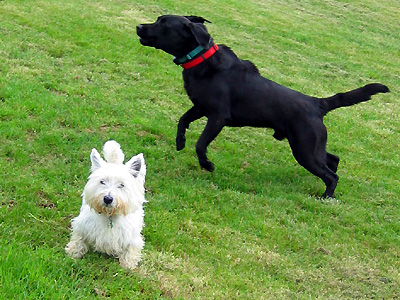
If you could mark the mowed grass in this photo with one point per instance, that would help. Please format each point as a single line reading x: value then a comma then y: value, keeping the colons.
x: 73, y: 75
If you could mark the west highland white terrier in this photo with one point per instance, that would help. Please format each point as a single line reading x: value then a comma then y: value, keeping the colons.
x: 111, y: 216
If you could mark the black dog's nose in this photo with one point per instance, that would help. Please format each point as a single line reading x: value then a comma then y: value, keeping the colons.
x: 139, y: 28
x: 108, y: 199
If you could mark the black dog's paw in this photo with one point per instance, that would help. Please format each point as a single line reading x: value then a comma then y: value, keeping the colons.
x: 327, y: 196
x: 180, y: 142
x: 207, y: 165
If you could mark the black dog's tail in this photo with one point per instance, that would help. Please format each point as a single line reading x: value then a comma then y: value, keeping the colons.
x: 353, y: 97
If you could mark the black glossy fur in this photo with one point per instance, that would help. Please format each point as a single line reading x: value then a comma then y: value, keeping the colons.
x: 231, y: 92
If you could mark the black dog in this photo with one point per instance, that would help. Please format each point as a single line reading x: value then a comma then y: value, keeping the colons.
x: 231, y: 92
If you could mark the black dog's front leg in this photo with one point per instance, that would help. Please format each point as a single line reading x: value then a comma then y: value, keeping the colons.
x: 191, y: 115
x: 213, y: 128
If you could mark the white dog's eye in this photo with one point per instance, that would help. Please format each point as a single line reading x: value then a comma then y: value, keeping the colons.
x: 102, y: 182
x: 121, y: 185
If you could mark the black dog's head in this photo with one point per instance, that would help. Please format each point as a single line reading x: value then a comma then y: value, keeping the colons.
x: 176, y: 35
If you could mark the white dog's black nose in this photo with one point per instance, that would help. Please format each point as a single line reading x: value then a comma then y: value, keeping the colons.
x: 108, y: 199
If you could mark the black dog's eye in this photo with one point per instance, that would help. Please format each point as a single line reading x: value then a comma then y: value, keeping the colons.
x: 162, y: 22
x: 102, y: 182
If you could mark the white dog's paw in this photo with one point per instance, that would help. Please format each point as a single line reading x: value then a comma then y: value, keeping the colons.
x: 131, y: 258
x: 76, y: 248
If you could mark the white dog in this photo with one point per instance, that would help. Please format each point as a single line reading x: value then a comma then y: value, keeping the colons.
x: 111, y: 216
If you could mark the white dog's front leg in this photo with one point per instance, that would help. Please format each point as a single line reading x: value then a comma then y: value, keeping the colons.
x: 131, y: 258
x: 77, y: 247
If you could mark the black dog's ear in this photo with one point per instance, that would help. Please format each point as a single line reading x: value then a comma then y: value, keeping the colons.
x: 200, y: 33
x: 196, y: 19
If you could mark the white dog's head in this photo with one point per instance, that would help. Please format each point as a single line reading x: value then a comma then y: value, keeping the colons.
x: 115, y: 188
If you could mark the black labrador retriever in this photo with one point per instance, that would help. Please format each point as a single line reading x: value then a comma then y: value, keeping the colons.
x: 231, y: 92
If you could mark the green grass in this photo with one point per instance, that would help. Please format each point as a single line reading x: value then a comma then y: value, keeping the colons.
x: 73, y: 75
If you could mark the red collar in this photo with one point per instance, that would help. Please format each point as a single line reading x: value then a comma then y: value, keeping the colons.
x: 210, y: 52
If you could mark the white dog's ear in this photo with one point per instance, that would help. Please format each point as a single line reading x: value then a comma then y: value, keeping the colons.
x: 97, y: 161
x: 137, y: 166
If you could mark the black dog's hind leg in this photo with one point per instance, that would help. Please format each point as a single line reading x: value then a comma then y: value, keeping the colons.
x: 320, y: 169
x: 213, y: 128
x: 332, y: 161
x: 308, y: 142
x: 191, y: 115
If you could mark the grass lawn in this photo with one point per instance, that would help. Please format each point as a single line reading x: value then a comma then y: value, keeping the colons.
x: 73, y: 75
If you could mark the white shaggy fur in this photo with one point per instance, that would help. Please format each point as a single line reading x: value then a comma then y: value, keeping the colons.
x: 111, y: 216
